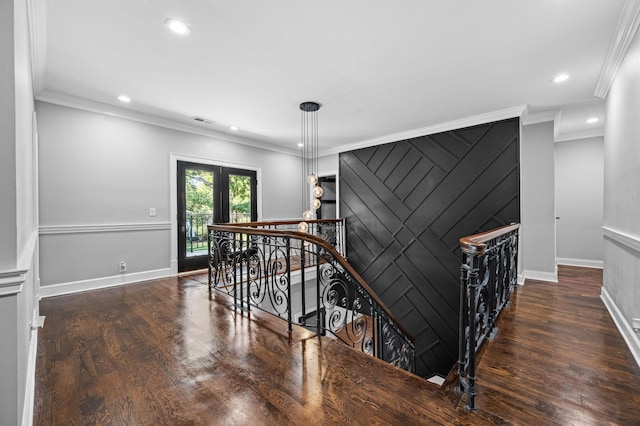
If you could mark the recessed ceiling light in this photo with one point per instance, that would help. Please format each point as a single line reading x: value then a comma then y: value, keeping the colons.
x: 178, y: 27
x: 593, y: 120
x: 124, y: 98
x: 234, y: 128
x: 300, y: 144
x: 560, y: 78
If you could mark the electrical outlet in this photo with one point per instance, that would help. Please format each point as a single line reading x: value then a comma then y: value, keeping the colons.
x: 123, y: 266
x: 152, y: 211
x: 635, y: 324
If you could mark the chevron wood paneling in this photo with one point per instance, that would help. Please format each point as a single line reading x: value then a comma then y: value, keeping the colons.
x: 408, y: 203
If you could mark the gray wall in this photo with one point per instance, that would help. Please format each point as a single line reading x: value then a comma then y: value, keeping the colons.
x: 621, y: 290
x: 100, y: 174
x: 579, y: 172
x: 538, y: 239
x: 18, y: 233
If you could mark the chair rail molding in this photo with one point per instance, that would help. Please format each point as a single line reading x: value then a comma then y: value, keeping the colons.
x: 94, y: 228
x: 628, y: 240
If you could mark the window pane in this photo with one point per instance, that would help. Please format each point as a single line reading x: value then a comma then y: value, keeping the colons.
x: 199, y: 209
x: 239, y: 199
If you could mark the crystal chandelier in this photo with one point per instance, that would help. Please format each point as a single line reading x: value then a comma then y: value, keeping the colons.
x: 311, y: 190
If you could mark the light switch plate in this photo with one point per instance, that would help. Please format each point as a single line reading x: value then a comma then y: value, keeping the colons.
x: 152, y: 211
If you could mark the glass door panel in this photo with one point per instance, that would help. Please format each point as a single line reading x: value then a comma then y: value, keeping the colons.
x: 199, y: 209
x: 240, y: 199
x: 241, y: 204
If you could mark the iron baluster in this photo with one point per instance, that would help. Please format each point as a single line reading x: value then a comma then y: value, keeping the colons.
x: 288, y: 271
x: 471, y: 367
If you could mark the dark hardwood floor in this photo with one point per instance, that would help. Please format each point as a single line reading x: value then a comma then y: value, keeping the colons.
x: 559, y: 359
x: 162, y: 353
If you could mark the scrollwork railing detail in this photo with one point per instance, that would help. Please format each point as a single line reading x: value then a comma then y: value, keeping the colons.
x: 303, y: 279
x: 488, y: 277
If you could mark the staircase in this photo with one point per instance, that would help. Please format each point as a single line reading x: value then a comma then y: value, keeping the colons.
x: 303, y: 278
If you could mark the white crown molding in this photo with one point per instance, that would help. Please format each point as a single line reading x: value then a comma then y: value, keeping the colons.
x: 625, y: 32
x: 528, y: 118
x: 97, y: 228
x: 461, y: 123
x: 57, y: 98
x: 37, y: 11
x: 627, y: 240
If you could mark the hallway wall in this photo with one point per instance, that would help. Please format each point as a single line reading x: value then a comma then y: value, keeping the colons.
x: 100, y: 174
x: 621, y: 291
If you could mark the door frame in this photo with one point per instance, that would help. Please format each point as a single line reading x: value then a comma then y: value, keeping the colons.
x: 173, y: 194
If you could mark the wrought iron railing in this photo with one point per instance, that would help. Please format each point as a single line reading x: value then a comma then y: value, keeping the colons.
x: 303, y: 279
x: 331, y: 230
x: 488, y: 276
x: 196, y: 230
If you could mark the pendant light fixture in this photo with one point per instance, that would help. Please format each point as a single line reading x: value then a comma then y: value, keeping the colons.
x: 311, y: 190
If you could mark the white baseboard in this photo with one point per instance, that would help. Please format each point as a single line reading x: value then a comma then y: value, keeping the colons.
x: 541, y: 276
x: 30, y: 386
x: 599, y: 264
x: 103, y: 282
x: 521, y: 279
x: 630, y: 337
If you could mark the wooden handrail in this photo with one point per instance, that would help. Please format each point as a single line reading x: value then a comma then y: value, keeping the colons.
x: 279, y: 222
x: 475, y: 244
x: 235, y: 228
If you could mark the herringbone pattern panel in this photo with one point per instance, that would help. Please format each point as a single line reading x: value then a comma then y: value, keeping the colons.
x: 408, y: 203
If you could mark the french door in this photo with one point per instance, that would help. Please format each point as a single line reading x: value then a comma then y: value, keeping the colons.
x: 209, y: 194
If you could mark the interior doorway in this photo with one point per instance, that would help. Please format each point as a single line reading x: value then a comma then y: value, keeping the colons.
x: 327, y: 209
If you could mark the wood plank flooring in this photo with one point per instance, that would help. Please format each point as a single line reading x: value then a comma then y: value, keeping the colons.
x: 559, y: 358
x: 162, y: 353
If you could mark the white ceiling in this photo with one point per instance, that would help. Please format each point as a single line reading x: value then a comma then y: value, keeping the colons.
x: 379, y: 68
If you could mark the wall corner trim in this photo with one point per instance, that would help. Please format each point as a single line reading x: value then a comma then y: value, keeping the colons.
x: 628, y: 23
x: 630, y: 338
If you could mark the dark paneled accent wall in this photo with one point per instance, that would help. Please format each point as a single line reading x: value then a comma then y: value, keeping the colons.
x: 408, y: 203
